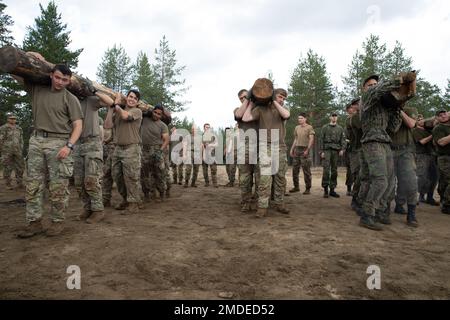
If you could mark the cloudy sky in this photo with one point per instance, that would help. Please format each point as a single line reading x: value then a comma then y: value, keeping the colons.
x: 228, y: 44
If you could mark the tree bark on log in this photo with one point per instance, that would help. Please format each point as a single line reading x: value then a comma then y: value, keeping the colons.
x: 27, y: 66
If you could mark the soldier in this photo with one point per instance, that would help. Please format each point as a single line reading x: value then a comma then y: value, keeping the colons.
x: 231, y: 154
x: 192, y: 157
x: 404, y: 149
x: 126, y: 161
x: 11, y: 147
x: 380, y: 114
x: 271, y: 116
x: 441, y: 137
x: 155, y: 141
x: 304, y: 135
x: 177, y: 170
x: 107, y: 179
x: 332, y: 146
x: 248, y: 170
x: 57, y: 120
x: 88, y: 157
x: 209, y: 144
x: 426, y: 160
x: 349, y: 178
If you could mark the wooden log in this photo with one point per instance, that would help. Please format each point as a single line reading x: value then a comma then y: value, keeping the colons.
x: 262, y: 90
x: 34, y: 70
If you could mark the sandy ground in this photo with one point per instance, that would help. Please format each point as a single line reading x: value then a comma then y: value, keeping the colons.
x: 198, y: 245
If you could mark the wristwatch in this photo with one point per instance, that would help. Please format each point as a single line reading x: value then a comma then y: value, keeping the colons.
x: 69, y: 145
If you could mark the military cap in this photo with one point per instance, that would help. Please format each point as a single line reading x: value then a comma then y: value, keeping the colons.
x: 334, y: 114
x: 11, y: 116
x: 355, y: 101
x: 374, y: 77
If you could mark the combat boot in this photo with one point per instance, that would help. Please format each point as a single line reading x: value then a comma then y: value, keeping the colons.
x: 382, y: 217
x: 95, y: 217
x: 107, y: 204
x: 55, y: 229
x: 245, y: 208
x: 168, y: 193
x: 186, y: 185
x: 354, y: 204
x: 281, y: 209
x: 84, y: 215
x: 307, y: 192
x: 206, y: 183
x: 193, y: 185
x: 32, y: 229
x: 132, y: 208
x: 431, y: 201
x: 399, y: 209
x: 422, y: 198
x: 122, y: 206
x: 325, y: 192
x: 411, y: 218
x: 294, y: 190
x: 445, y: 209
x: 334, y: 194
x: 8, y: 185
x: 368, y: 222
x: 349, y: 191
x: 261, y: 213
x: 229, y: 185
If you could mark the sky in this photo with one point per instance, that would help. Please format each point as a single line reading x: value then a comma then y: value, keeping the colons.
x: 226, y: 45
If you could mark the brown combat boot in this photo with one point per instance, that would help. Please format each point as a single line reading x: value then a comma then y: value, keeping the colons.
x: 133, y: 208
x: 107, y: 203
x: 84, y: 215
x: 95, y: 217
x: 261, y: 213
x: 122, y: 206
x: 246, y: 207
x: 55, y: 229
x: 32, y: 229
x: 281, y: 209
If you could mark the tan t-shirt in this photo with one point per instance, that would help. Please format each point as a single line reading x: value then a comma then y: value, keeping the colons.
x: 126, y: 131
x: 302, y: 135
x: 91, y: 120
x: 53, y: 111
x: 269, y: 118
x: 152, y: 131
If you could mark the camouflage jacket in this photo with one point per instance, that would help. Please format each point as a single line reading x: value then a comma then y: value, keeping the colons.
x: 380, y: 113
x: 332, y: 138
x: 11, y: 138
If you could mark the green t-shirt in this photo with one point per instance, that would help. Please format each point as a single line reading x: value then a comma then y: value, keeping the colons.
x: 127, y: 131
x: 404, y: 135
x: 439, y: 132
x: 152, y: 131
x: 91, y: 120
x: 418, y: 135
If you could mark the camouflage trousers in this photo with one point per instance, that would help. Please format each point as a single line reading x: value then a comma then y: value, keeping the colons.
x: 12, y: 160
x: 43, y: 164
x: 355, y: 168
x: 168, y: 178
x: 177, y: 172
x: 191, y: 169
x: 348, y: 176
x: 300, y: 161
x: 88, y: 167
x: 126, y: 169
x: 153, y: 172
x: 107, y: 179
x: 267, y: 166
x: 427, y: 173
x: 330, y: 166
x: 213, y: 167
x: 377, y: 166
x: 444, y: 180
x: 405, y: 171
x: 231, y: 166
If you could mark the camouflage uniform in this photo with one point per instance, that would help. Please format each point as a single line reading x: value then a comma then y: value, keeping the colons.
x: 354, y: 126
x: 153, y: 170
x: 11, y: 146
x: 108, y: 152
x: 209, y: 139
x: 331, y: 143
x: 299, y: 160
x: 231, y: 158
x: 441, y: 131
x: 192, y: 165
x: 426, y: 161
x: 177, y: 170
x: 379, y: 117
x: 88, y: 157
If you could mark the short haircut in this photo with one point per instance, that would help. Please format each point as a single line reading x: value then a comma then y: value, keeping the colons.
x: 137, y: 93
x: 63, y: 68
x: 241, y: 92
x: 206, y: 124
x: 159, y: 107
x: 281, y: 91
x: 302, y: 115
x: 440, y: 112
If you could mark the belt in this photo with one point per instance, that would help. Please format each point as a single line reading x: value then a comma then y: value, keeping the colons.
x: 398, y: 148
x: 86, y: 139
x: 125, y: 146
x: 45, y: 134
x: 150, y: 146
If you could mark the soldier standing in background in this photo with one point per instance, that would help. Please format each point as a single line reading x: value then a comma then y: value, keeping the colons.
x: 231, y: 154
x: 441, y: 137
x: 192, y: 157
x: 301, y: 154
x: 177, y: 170
x: 349, y: 178
x: 11, y: 148
x: 332, y: 146
x: 107, y: 180
x: 209, y: 144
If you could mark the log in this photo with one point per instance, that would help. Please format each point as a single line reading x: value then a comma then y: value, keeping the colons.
x: 25, y: 65
x: 262, y: 90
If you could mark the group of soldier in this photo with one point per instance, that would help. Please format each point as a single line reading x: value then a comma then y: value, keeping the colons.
x: 135, y: 150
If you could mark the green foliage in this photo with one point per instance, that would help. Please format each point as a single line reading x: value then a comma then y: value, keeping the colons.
x: 183, y: 124
x: 428, y: 99
x: 49, y: 38
x: 115, y: 71
x: 5, y: 23
x: 447, y: 95
x: 144, y: 78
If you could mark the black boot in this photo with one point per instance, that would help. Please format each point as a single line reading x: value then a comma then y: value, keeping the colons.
x: 399, y: 209
x: 383, y: 217
x: 422, y: 198
x: 445, y: 209
x: 349, y: 191
x: 431, y: 201
x: 334, y: 194
x: 354, y: 204
x: 325, y: 192
x: 411, y: 218
x: 368, y: 222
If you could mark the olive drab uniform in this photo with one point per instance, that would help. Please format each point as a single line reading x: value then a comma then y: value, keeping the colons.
x: 359, y: 182
x: 301, y: 136
x: 442, y: 130
x: 332, y: 141
x: 209, y: 142
x: 192, y: 151
x: 11, y: 148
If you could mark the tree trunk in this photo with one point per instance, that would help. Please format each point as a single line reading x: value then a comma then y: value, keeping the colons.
x: 19, y: 63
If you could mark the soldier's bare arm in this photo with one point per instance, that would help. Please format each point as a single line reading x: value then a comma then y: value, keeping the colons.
x: 444, y: 141
x: 76, y: 133
x: 166, y: 139
x: 407, y: 120
x: 284, y: 113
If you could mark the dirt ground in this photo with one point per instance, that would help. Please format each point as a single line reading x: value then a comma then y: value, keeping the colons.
x: 198, y: 245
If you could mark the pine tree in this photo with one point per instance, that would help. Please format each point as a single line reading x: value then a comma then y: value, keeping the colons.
x: 144, y: 79
x: 168, y: 83
x: 5, y: 23
x: 115, y: 70
x: 447, y: 94
x: 428, y: 99
x: 50, y: 38
x: 396, y: 61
